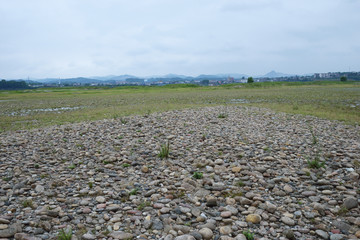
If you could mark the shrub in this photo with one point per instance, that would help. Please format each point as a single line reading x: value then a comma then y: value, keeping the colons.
x: 250, y: 80
x: 343, y: 79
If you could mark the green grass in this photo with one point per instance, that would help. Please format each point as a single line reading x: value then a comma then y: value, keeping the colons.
x: 164, y: 150
x: 25, y: 109
x: 248, y: 235
x: 198, y: 175
x: 65, y: 235
x: 316, y: 163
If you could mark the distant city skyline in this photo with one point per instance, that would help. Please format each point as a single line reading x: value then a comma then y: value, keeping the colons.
x: 84, y: 38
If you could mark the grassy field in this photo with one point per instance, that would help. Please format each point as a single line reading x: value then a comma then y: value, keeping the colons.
x: 43, y: 107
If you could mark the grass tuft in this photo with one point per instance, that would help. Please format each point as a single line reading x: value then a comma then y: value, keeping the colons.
x: 65, y: 235
x: 198, y: 175
x: 164, y: 150
x: 248, y: 235
x: 316, y: 163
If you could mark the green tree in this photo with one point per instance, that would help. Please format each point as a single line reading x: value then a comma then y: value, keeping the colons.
x: 343, y: 79
x: 250, y: 80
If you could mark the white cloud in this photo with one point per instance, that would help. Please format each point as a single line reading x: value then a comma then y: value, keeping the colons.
x: 83, y: 38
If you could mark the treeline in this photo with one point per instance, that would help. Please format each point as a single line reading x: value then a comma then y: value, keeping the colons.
x: 13, y: 85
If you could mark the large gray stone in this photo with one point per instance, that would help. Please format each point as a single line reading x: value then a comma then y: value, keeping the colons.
x: 350, y: 202
x: 10, y: 232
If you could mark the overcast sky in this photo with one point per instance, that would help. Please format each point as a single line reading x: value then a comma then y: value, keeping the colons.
x: 70, y: 38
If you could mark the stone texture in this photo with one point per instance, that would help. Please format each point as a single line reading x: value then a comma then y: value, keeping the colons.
x: 104, y: 179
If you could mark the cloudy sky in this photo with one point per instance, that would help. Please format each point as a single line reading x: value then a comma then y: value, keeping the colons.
x: 69, y: 38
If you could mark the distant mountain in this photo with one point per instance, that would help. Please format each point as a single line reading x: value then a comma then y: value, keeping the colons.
x: 114, y: 77
x: 274, y: 74
x: 210, y: 77
x: 234, y: 75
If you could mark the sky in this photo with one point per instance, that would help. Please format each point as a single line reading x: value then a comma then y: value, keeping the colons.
x: 72, y: 38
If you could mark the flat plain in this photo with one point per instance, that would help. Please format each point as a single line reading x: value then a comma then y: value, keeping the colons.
x: 181, y: 162
x: 43, y: 107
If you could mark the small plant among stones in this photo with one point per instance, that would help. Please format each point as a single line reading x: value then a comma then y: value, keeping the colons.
x: 357, y: 163
x: 123, y: 121
x: 91, y: 184
x: 314, y: 138
x: 42, y: 176
x: 222, y: 115
x: 125, y: 165
x: 164, y: 150
x: 134, y: 191
x: 6, y: 179
x: 198, y: 175
x: 28, y: 203
x: 343, y: 211
x: 142, y: 205
x: 316, y: 163
x: 248, y: 235
x: 178, y: 194
x: 72, y: 166
x: 240, y: 183
x: 65, y: 235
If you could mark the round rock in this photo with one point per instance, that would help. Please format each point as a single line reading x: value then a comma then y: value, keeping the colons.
x: 206, y: 233
x: 253, y: 218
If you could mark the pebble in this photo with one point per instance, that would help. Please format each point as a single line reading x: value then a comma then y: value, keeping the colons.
x: 322, y: 234
x: 288, y: 221
x: 253, y: 218
x: 100, y: 199
x: 185, y: 237
x: 350, y: 202
x: 206, y: 233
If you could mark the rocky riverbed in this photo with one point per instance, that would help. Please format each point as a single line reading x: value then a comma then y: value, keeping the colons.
x: 232, y: 172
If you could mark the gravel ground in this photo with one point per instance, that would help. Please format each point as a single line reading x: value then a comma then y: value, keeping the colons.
x: 230, y: 170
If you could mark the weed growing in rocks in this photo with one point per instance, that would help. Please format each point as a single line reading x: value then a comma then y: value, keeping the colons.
x: 65, y: 235
x: 198, y: 175
x: 28, y: 203
x: 123, y: 121
x: 91, y: 184
x: 134, y: 191
x: 343, y: 211
x: 7, y: 179
x: 240, y: 183
x: 357, y: 163
x: 222, y: 115
x: 314, y: 138
x: 248, y: 235
x: 164, y: 150
x: 72, y: 166
x: 125, y: 165
x: 316, y: 163
x: 144, y: 204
